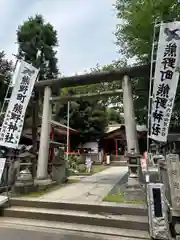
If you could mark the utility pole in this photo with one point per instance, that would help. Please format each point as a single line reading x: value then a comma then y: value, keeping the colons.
x: 35, y: 118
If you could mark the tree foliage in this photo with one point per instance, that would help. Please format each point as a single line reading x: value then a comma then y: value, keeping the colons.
x: 37, y: 41
x: 135, y: 37
x: 103, y: 86
x: 6, y: 68
x: 135, y: 34
x: 35, y: 36
x: 88, y: 117
x: 114, y: 116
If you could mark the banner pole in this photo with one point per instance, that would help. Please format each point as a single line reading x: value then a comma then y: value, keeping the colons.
x: 150, y: 98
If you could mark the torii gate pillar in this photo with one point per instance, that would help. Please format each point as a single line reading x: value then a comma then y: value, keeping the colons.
x: 129, y: 116
x: 131, y: 133
x: 42, y: 165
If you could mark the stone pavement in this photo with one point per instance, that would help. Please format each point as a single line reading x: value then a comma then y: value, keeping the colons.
x: 90, y: 189
x: 36, y: 233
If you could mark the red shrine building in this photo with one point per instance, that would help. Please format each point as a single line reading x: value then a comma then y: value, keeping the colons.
x: 114, y: 141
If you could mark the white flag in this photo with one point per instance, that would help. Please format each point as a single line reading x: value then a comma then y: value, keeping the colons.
x: 14, y: 118
x: 165, y: 80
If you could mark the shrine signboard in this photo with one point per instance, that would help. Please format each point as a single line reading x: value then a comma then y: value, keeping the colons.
x: 13, y: 122
x: 157, y: 212
x: 173, y: 171
x: 165, y: 80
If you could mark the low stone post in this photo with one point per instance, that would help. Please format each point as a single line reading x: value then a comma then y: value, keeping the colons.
x: 157, y: 212
x: 173, y: 172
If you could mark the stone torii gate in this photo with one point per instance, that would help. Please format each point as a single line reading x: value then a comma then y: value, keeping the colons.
x: 124, y: 75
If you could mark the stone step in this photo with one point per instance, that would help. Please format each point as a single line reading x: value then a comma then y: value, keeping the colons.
x: 58, y: 227
x: 127, y: 209
x: 80, y: 217
x: 118, y: 163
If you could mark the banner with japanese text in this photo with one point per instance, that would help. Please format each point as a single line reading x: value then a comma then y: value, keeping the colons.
x: 13, y: 122
x: 165, y: 80
x: 2, y: 166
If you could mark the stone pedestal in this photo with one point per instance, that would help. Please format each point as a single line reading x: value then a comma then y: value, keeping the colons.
x: 42, y: 184
x: 59, y: 173
x: 134, y: 190
x: 24, y: 183
x: 23, y: 187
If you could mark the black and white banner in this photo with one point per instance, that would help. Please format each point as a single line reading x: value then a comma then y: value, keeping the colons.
x: 165, y: 80
x: 14, y: 118
x: 2, y: 165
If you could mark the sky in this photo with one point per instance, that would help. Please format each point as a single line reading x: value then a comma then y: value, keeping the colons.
x: 85, y: 30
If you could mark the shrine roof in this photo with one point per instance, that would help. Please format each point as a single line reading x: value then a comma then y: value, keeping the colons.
x: 117, y: 130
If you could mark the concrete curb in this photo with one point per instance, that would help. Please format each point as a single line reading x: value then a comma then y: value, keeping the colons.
x: 116, y: 221
x: 117, y: 209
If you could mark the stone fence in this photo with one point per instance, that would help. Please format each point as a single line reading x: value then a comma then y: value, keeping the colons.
x: 163, y: 178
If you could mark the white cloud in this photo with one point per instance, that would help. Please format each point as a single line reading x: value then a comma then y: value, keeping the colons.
x: 85, y: 29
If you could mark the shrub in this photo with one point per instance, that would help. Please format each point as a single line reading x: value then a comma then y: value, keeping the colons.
x: 73, y: 162
x: 82, y: 168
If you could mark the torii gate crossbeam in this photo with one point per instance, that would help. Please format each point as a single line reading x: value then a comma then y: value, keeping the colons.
x: 96, y: 77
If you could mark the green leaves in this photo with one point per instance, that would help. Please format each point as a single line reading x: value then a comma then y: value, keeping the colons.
x: 135, y: 37
x: 6, y: 68
x: 88, y: 117
x: 35, y: 35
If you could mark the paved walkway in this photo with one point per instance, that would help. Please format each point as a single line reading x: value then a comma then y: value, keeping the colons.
x: 36, y: 233
x: 90, y: 189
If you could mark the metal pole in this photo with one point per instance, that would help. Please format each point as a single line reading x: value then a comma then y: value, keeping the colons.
x: 35, y: 109
x: 149, y: 101
x: 68, y: 110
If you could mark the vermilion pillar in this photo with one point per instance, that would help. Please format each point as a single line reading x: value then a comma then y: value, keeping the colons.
x: 116, y: 141
x: 69, y: 146
x: 52, y: 148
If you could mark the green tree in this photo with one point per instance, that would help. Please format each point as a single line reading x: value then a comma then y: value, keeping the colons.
x: 37, y: 41
x: 6, y: 68
x: 135, y: 34
x: 114, y: 116
x: 135, y: 37
x: 88, y: 117
x: 33, y: 36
